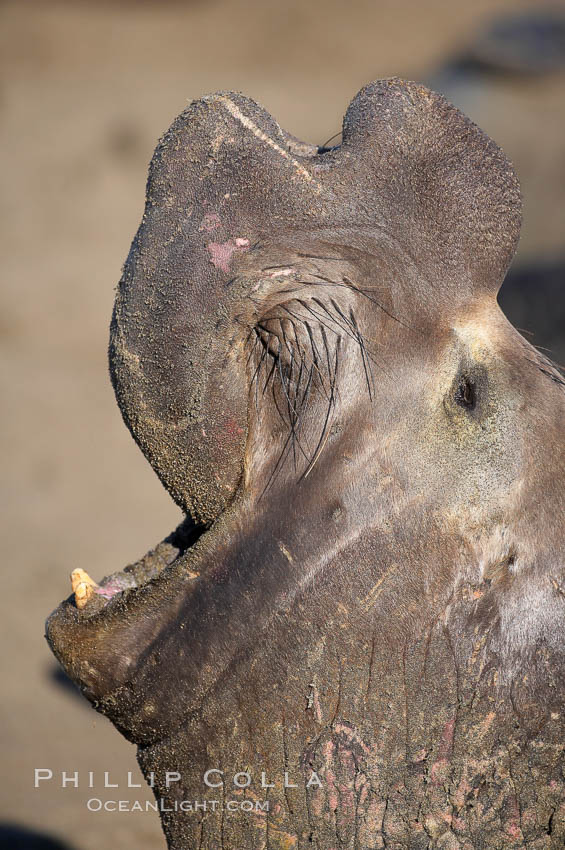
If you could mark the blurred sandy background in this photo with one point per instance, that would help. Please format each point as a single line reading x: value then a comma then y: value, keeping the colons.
x: 85, y: 91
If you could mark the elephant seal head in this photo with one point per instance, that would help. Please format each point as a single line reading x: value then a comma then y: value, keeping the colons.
x: 416, y: 208
x: 307, y: 347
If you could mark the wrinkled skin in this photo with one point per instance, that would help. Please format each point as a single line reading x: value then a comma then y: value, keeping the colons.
x: 307, y: 346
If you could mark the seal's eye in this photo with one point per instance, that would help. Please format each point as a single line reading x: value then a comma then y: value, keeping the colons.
x: 466, y: 393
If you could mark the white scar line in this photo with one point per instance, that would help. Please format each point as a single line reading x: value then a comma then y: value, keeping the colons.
x: 249, y: 125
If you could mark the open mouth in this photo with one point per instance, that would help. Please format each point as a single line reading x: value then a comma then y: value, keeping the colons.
x: 103, y: 631
x: 91, y: 597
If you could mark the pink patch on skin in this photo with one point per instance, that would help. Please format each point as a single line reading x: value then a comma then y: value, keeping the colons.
x: 210, y: 222
x: 513, y: 830
x: 233, y: 429
x: 437, y: 771
x: 328, y: 752
x: 445, y: 746
x: 346, y: 814
x: 447, y: 738
x: 106, y: 592
x: 512, y: 826
x: 221, y: 252
x: 440, y: 766
x: 333, y: 799
x: 112, y: 588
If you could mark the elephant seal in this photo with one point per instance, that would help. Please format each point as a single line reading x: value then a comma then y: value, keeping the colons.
x: 362, y: 613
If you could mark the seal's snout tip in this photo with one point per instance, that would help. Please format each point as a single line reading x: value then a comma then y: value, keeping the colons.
x: 82, y: 586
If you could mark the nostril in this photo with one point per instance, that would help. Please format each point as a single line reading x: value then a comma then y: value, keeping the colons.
x: 466, y: 393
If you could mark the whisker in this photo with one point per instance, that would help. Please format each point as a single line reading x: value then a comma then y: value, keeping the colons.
x: 331, y: 138
x: 323, y: 438
x: 315, y: 354
x: 304, y: 346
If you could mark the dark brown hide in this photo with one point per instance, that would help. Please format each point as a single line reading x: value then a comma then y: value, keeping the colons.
x: 307, y: 347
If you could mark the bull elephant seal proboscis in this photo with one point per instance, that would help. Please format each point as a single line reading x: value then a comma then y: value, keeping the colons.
x: 369, y: 586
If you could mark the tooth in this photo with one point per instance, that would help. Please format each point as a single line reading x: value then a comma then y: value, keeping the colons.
x: 82, y: 586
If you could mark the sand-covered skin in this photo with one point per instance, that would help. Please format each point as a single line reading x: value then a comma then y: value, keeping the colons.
x: 86, y: 91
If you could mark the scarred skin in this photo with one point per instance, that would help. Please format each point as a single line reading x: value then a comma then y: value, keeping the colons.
x: 307, y: 346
